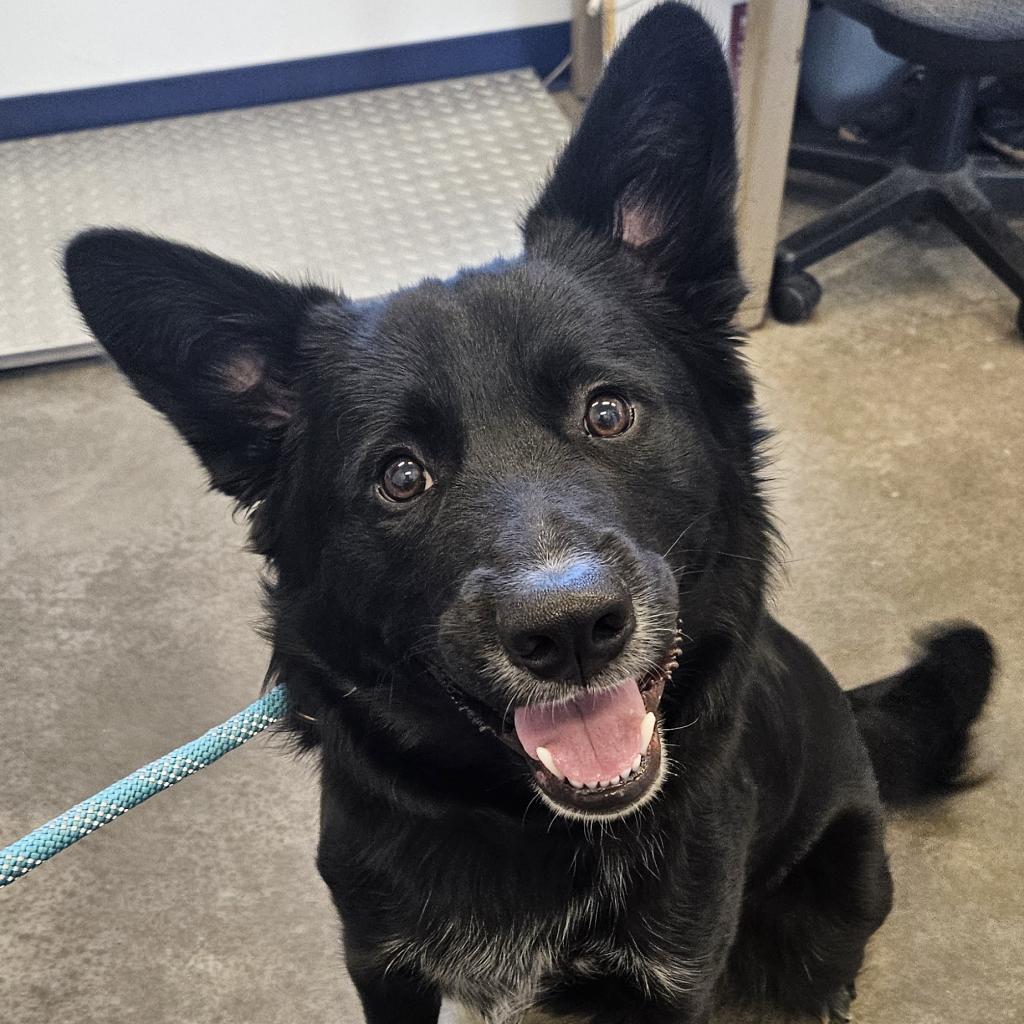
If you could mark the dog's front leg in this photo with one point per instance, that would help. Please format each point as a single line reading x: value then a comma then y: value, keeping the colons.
x: 397, y: 996
x: 661, y: 1014
x: 617, y: 1000
x: 656, y: 1013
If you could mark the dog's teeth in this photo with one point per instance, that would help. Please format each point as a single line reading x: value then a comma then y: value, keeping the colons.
x: 615, y: 780
x: 545, y: 758
x: 576, y: 784
x: 592, y: 785
x: 636, y: 762
x: 647, y: 730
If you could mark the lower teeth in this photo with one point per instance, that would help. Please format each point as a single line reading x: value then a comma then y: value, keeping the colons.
x: 619, y: 780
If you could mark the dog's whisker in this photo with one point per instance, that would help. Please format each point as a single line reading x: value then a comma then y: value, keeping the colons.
x: 685, y: 531
x: 679, y: 728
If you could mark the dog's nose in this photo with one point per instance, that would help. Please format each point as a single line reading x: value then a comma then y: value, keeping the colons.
x: 567, y: 622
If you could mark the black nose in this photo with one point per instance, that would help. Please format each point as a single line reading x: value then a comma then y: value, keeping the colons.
x: 565, y: 623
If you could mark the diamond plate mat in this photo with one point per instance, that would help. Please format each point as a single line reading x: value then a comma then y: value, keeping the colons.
x: 366, y: 191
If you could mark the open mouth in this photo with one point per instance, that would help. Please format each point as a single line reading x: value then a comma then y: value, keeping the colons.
x: 598, y: 754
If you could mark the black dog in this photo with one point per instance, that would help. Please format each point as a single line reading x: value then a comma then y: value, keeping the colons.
x: 519, y: 557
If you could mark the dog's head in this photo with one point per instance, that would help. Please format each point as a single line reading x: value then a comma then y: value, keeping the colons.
x: 512, y: 501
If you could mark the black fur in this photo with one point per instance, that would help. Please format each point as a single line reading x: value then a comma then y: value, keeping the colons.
x: 758, y: 871
x: 916, y: 723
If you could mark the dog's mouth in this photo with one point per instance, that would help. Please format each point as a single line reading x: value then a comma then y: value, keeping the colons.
x: 598, y: 754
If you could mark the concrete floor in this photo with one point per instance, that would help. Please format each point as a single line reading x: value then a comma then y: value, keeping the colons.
x: 125, y: 628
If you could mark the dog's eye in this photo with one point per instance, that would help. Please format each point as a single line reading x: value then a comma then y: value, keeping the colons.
x: 607, y: 416
x: 404, y: 479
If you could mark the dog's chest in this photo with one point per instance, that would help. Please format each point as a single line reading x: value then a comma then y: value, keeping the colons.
x: 500, y: 971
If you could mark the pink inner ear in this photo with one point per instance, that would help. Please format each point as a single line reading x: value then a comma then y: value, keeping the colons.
x: 245, y: 374
x: 640, y: 226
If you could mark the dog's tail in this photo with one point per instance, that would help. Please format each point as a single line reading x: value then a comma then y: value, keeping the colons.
x: 916, y: 724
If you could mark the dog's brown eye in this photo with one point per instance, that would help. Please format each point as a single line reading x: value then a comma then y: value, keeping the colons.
x: 404, y: 478
x: 607, y: 416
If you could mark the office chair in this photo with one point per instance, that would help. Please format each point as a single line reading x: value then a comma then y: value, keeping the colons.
x: 958, y: 42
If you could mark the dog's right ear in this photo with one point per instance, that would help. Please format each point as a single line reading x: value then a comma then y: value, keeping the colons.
x: 211, y: 344
x: 652, y: 166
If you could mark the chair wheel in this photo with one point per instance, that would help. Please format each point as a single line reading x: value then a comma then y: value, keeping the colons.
x: 794, y: 296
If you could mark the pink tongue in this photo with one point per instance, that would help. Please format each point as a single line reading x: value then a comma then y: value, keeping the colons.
x: 593, y: 737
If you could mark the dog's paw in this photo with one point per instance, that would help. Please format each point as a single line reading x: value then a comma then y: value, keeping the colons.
x: 840, y: 1007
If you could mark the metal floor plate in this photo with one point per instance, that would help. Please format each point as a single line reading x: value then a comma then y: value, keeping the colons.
x: 366, y: 191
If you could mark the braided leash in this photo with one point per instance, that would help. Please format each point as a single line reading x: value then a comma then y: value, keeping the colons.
x: 41, y: 844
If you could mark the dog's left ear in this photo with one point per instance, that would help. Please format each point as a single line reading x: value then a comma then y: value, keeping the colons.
x: 211, y: 344
x: 652, y: 166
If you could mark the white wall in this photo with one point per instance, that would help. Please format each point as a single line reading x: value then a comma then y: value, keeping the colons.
x: 53, y: 45
x: 717, y: 12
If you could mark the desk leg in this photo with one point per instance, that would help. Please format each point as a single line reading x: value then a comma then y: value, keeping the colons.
x: 769, y: 71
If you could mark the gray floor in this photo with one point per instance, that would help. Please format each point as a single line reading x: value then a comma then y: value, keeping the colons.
x: 125, y: 628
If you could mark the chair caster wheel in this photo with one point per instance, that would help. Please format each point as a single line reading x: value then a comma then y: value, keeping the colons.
x: 794, y: 296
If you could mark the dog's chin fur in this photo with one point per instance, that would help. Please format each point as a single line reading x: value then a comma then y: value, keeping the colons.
x: 753, y: 866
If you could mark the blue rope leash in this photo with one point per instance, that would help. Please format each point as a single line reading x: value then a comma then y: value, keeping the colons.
x: 30, y: 851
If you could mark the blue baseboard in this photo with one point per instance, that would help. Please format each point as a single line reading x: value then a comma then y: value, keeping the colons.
x: 539, y: 46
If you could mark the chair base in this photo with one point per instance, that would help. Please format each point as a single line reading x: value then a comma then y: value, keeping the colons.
x: 818, y: 150
x: 897, y: 192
